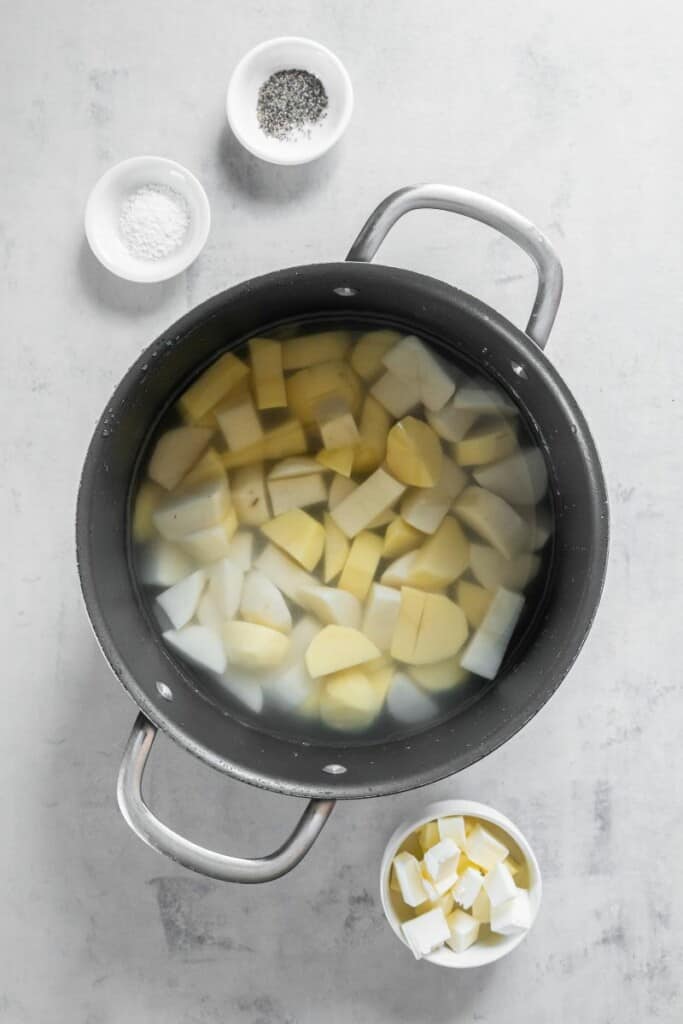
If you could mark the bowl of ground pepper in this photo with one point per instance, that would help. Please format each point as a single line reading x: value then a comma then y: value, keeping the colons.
x: 289, y: 100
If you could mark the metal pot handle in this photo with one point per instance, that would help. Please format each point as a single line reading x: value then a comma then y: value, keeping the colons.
x: 488, y: 211
x: 189, y: 854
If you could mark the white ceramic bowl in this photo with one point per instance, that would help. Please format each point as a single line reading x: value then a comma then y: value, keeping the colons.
x: 495, y: 946
x: 256, y: 67
x: 103, y: 211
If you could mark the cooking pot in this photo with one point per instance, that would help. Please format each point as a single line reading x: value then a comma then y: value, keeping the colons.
x: 456, y: 323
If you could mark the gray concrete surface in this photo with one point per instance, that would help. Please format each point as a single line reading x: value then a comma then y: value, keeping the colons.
x: 567, y: 112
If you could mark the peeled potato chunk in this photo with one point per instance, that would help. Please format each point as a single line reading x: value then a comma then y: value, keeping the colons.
x: 239, y: 422
x: 493, y: 519
x: 338, y: 459
x: 451, y: 423
x: 328, y: 381
x: 310, y: 349
x: 486, y: 444
x: 262, y: 602
x: 439, y: 676
x: 361, y: 564
x: 430, y: 628
x: 199, y: 645
x: 287, y: 439
x: 269, y: 381
x: 213, y: 542
x: 425, y: 508
x: 398, y: 396
x: 474, y: 601
x: 148, y: 498
x: 212, y: 385
x: 334, y: 607
x: 483, y: 400
x: 442, y: 558
x: 369, y: 351
x: 300, y: 535
x: 209, y: 467
x: 414, y: 363
x: 336, y: 423
x: 486, y: 650
x: 350, y: 700
x: 253, y: 645
x: 399, y: 572
x: 521, y: 479
x: 175, y: 453
x: 297, y: 492
x: 194, y: 510
x: 414, y: 454
x: 492, y: 570
x: 375, y: 495
x: 400, y: 537
x: 373, y: 427
x: 284, y: 573
x: 336, y: 648
x: 249, y: 494
x: 336, y: 548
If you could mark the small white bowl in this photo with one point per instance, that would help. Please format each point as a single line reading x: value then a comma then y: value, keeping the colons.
x: 103, y: 210
x: 495, y: 946
x: 256, y: 67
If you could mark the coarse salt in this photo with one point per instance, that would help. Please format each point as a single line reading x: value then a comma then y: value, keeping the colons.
x: 154, y: 221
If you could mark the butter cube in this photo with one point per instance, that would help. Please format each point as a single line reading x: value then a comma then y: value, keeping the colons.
x: 361, y: 564
x: 484, y: 849
x: 296, y: 492
x: 444, y: 903
x: 499, y: 884
x: 441, y: 862
x: 453, y: 828
x: 464, y: 931
x: 513, y: 916
x: 430, y: 888
x: 269, y: 381
x: 410, y: 882
x: 397, y: 396
x: 336, y: 548
x: 359, y: 508
x: 426, y: 932
x: 467, y: 887
x: 239, y: 422
x: 428, y: 835
x: 481, y: 908
x: 297, y: 533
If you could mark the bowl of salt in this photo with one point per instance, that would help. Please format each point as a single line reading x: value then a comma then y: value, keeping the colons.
x: 147, y: 219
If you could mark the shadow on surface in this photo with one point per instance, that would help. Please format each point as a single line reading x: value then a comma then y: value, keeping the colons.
x: 112, y: 292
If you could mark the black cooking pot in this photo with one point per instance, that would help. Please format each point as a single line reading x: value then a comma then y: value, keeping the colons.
x: 458, y: 323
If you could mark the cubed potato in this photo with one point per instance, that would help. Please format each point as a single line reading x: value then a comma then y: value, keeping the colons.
x: 336, y: 549
x: 400, y: 537
x: 485, y: 444
x: 209, y: 467
x: 161, y: 564
x: 262, y: 602
x: 268, y: 376
x: 425, y: 508
x: 335, y: 421
x: 349, y: 700
x: 306, y: 389
x: 483, y: 399
x: 211, y: 543
x: 249, y: 494
x: 179, y: 602
x: 245, y: 690
x: 441, y: 675
x: 486, y: 650
x: 451, y: 423
x: 289, y: 438
x: 381, y: 615
x: 300, y: 535
x: 430, y: 628
x: 407, y: 703
x: 290, y: 686
x: 540, y: 522
x: 209, y: 614
x: 254, y: 646
x: 334, y: 607
x: 311, y: 349
x: 361, y: 564
x: 336, y: 648
x: 284, y: 572
x: 413, y: 362
x: 340, y: 460
x: 239, y: 422
x: 376, y: 494
x: 226, y: 580
x: 184, y: 513
x: 383, y: 519
x: 149, y: 496
x: 442, y: 558
x: 297, y: 492
x: 374, y: 427
x: 198, y: 645
x: 175, y: 453
x: 340, y: 488
x: 398, y: 573
x: 474, y: 601
x: 369, y: 351
x: 396, y: 395
x: 493, y: 519
x: 492, y: 570
x: 212, y: 385
x: 242, y: 549
x: 521, y: 479
x: 414, y: 454
x: 295, y: 465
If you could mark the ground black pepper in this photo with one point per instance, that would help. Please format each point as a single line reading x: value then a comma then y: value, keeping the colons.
x: 290, y: 103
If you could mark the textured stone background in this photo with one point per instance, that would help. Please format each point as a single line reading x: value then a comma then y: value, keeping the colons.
x: 566, y: 112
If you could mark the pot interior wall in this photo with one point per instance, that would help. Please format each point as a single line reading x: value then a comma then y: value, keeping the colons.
x: 457, y: 324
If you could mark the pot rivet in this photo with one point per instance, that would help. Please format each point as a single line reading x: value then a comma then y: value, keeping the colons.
x: 345, y: 291
x: 519, y: 370
x: 334, y: 769
x: 164, y: 691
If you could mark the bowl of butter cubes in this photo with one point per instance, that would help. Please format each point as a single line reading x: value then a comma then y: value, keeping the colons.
x: 460, y: 886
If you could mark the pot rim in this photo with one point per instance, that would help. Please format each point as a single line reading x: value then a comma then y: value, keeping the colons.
x: 521, y: 348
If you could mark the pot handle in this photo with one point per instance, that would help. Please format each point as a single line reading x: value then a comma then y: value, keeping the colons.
x: 488, y: 211
x: 197, y: 858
